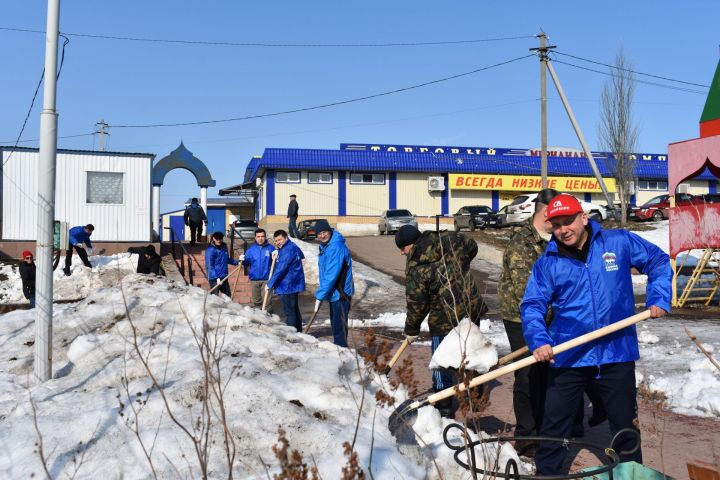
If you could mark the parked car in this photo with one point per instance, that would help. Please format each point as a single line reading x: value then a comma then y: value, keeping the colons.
x: 502, y: 217
x: 474, y: 216
x: 523, y: 206
x: 391, y: 220
x: 244, y: 229
x: 658, y: 208
x: 306, y: 228
x: 710, y: 197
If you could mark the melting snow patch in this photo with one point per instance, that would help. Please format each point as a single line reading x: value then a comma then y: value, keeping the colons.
x: 465, y: 341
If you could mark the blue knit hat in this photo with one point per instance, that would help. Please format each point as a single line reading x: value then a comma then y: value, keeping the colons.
x: 322, y: 225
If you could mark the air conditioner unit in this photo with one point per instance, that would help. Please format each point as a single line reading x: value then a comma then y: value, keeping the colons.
x: 683, y: 188
x: 436, y: 184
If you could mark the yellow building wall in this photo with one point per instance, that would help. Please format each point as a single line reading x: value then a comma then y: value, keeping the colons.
x: 463, y: 198
x: 697, y: 187
x: 314, y: 199
x: 412, y: 193
x: 367, y: 199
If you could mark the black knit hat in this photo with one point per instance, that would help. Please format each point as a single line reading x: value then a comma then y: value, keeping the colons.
x: 407, y: 235
x: 150, y: 250
x: 322, y: 225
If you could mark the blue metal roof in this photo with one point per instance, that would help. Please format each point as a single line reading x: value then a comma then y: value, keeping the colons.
x: 368, y: 161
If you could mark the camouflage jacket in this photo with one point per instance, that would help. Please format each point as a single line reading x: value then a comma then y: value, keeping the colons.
x: 523, y: 250
x: 439, y: 283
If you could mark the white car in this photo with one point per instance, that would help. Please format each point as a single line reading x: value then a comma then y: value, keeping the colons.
x: 523, y: 206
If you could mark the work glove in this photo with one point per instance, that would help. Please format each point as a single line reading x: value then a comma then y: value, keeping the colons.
x: 411, y: 338
x: 241, y: 257
x: 317, y: 305
x: 274, y: 254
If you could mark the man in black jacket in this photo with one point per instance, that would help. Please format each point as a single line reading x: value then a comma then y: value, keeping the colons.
x: 292, y: 215
x: 148, y: 260
x: 27, y: 274
x: 194, y: 218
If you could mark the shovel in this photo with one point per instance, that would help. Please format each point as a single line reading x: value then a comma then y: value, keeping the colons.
x: 395, y: 357
x: 312, y: 319
x: 402, y: 419
x: 223, y: 280
x: 267, y: 292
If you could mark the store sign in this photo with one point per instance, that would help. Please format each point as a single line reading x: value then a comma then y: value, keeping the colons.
x: 526, y: 183
x: 468, y: 151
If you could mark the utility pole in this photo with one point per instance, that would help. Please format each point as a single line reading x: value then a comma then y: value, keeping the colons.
x: 579, y: 134
x: 46, y: 200
x: 101, y: 127
x: 543, y: 55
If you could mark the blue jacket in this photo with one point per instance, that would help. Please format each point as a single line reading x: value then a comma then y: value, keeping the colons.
x: 591, y: 295
x: 259, y: 259
x: 288, y: 276
x: 79, y: 235
x: 217, y: 260
x: 332, y: 257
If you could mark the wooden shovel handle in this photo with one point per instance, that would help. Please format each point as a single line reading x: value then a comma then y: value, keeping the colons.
x: 267, y: 292
x: 395, y: 357
x: 513, y: 355
x: 312, y: 319
x: 582, y: 339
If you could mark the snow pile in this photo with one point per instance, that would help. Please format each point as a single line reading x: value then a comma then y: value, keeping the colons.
x: 695, y: 392
x: 646, y: 337
x: 395, y: 321
x: 272, y: 376
x: 105, y: 271
x: 465, y: 341
x: 357, y: 229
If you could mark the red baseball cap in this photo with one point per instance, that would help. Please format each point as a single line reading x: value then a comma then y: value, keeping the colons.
x: 563, y: 204
x: 26, y: 253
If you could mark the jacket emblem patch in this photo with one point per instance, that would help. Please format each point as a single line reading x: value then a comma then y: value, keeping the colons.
x: 609, y: 260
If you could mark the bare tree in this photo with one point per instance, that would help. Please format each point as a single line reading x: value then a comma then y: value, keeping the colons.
x: 617, y: 130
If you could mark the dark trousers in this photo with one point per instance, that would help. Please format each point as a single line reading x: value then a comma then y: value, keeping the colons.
x: 195, y: 232
x: 441, y: 379
x: 82, y: 253
x: 615, y: 385
x: 224, y: 288
x: 529, y: 387
x: 292, y: 227
x: 291, y: 308
x: 339, y: 321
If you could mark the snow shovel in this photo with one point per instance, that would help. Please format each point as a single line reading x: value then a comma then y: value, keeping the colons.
x: 223, y: 280
x: 395, y: 357
x: 402, y: 419
x: 267, y: 292
x: 312, y: 319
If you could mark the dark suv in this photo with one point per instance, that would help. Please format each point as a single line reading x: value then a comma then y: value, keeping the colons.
x: 475, y: 216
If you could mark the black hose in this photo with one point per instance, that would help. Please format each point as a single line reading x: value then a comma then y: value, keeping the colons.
x: 511, y: 468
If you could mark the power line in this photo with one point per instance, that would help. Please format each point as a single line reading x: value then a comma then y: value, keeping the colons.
x: 326, y: 105
x: 632, y: 71
x: 65, y: 136
x: 655, y: 84
x: 277, y: 45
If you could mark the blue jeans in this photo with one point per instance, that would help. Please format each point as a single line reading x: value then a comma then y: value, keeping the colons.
x: 441, y: 379
x: 615, y: 384
x: 293, y: 318
x: 32, y: 301
x: 339, y: 321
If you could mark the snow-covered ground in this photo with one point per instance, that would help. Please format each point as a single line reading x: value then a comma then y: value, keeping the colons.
x: 105, y: 271
x: 275, y: 377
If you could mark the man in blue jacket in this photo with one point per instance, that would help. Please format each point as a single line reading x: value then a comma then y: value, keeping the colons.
x: 258, y: 259
x: 336, y: 279
x: 216, y: 263
x: 79, y: 240
x: 288, y: 278
x: 585, y: 276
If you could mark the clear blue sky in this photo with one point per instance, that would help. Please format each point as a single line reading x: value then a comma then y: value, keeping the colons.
x: 127, y: 82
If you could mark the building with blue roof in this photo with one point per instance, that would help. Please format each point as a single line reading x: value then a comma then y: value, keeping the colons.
x: 357, y: 182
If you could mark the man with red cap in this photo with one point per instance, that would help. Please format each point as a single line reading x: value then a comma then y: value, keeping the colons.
x: 27, y: 274
x: 585, y: 276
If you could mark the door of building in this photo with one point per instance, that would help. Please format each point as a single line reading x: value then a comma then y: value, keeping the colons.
x: 216, y: 220
x: 177, y: 224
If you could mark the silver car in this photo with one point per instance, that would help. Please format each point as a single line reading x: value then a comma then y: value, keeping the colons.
x: 391, y: 220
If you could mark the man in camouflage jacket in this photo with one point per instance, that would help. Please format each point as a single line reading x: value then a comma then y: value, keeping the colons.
x: 439, y: 285
x: 527, y: 243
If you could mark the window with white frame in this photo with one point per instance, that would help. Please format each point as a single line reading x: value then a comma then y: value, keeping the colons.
x: 105, y: 188
x: 320, y: 177
x: 652, y: 185
x: 367, y: 178
x: 287, y: 177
